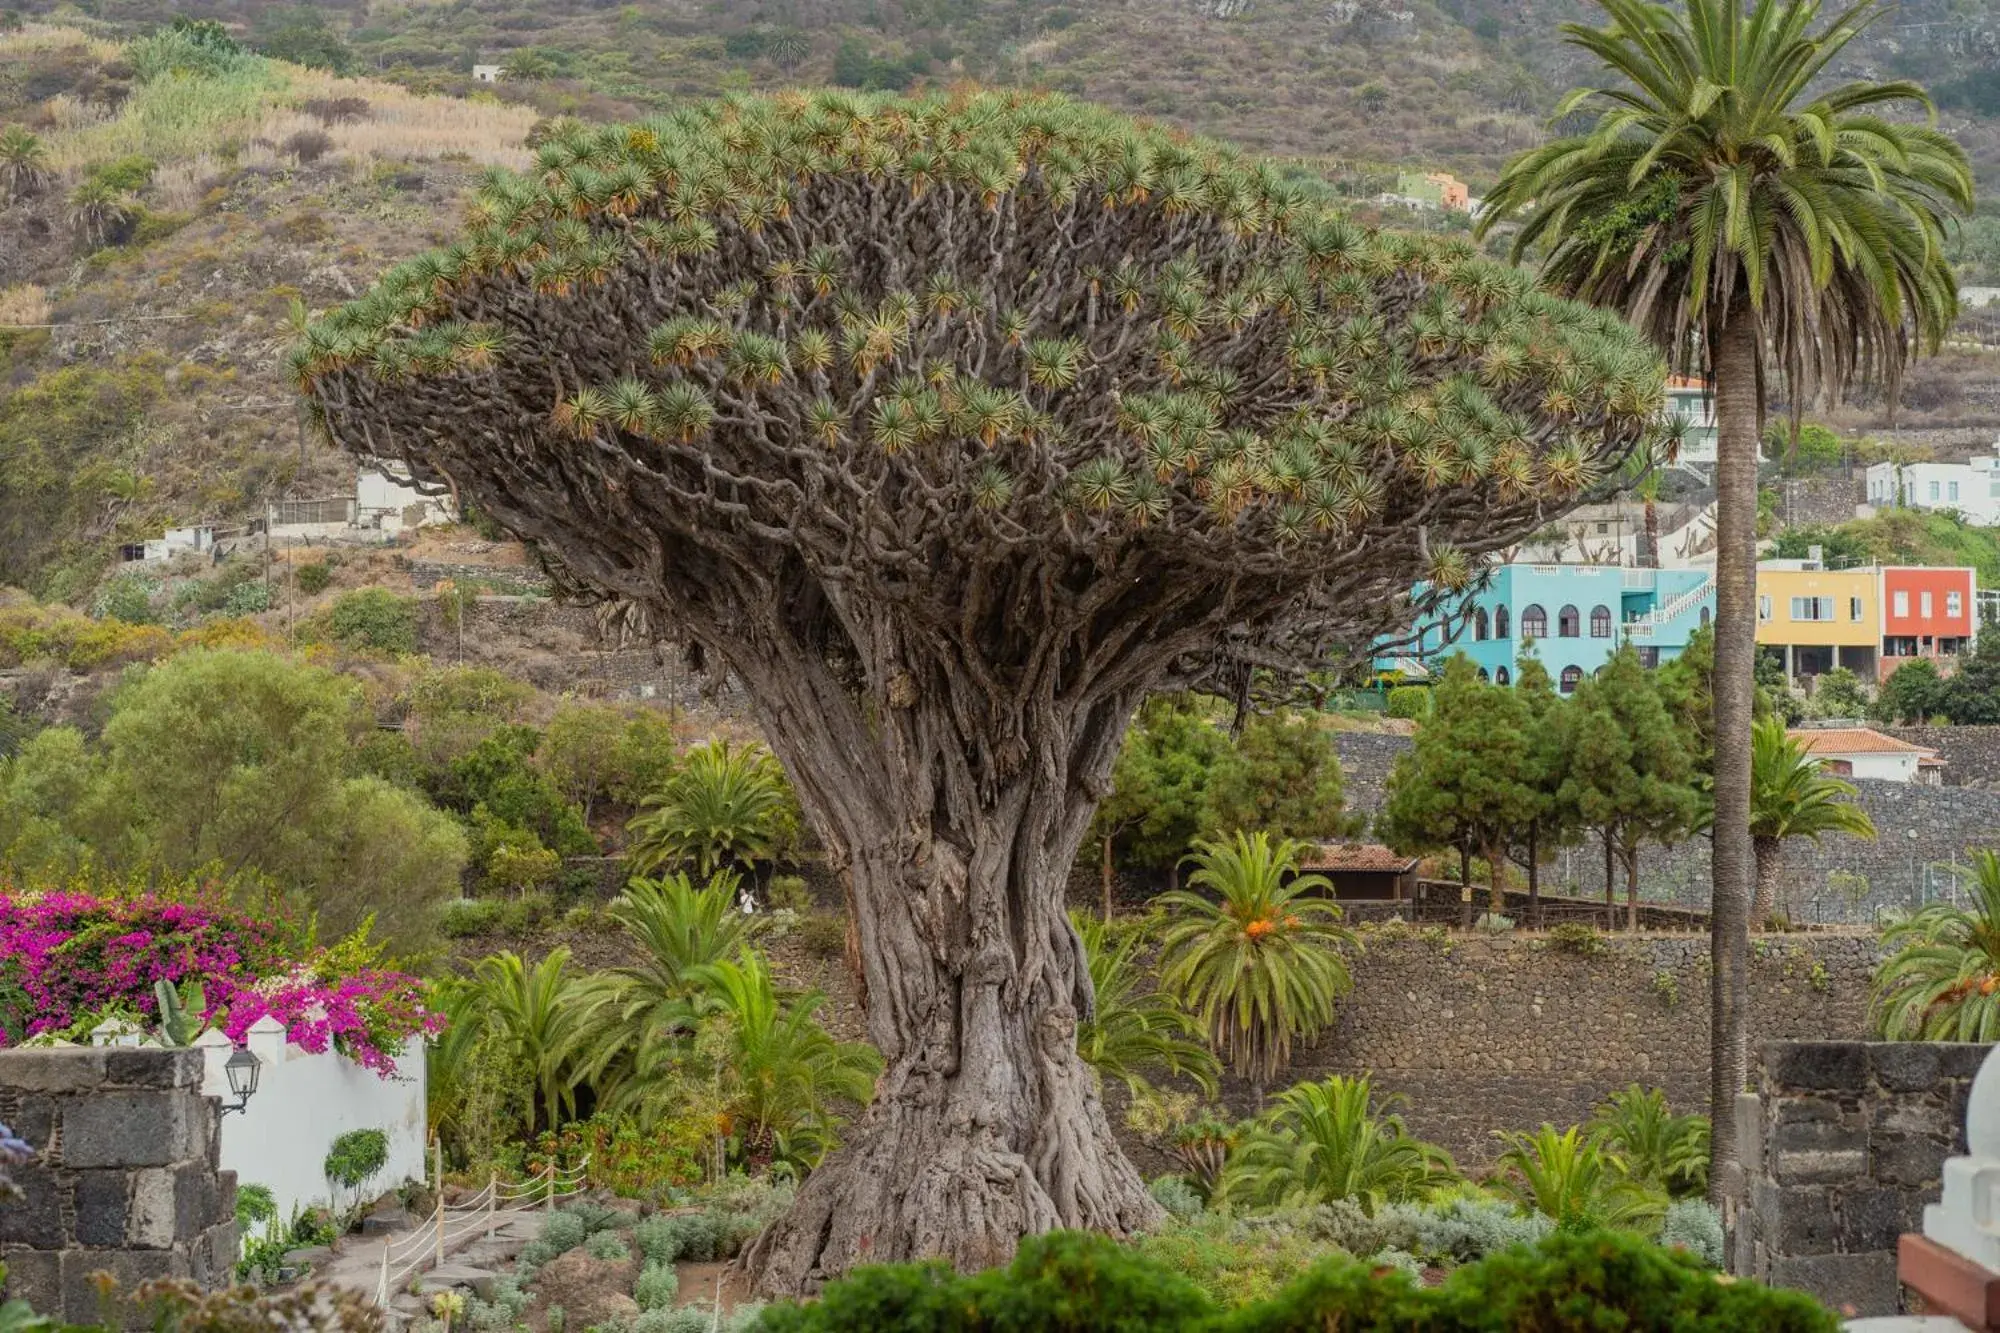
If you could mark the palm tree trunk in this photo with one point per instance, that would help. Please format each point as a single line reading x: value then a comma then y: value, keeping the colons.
x: 1650, y: 559
x: 1764, y: 853
x: 1737, y: 411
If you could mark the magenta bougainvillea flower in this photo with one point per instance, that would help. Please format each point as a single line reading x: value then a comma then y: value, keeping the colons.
x: 67, y: 956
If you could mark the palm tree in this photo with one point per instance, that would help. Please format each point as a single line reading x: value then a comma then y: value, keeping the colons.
x: 1571, y: 1180
x: 1262, y: 965
x: 1940, y: 980
x: 727, y: 805
x: 1658, y: 1147
x: 1792, y: 796
x: 1325, y: 1141
x: 24, y: 164
x: 676, y: 928
x: 1134, y: 1031
x: 99, y: 212
x: 779, y: 1069
x: 537, y: 1014
x: 1728, y: 202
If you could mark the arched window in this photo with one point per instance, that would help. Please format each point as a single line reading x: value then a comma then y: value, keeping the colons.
x: 1600, y: 622
x: 1479, y: 623
x: 1571, y: 678
x: 1499, y: 622
x: 1568, y: 624
x: 1483, y: 677
x: 1501, y: 677
x: 1534, y: 621
x: 1704, y: 616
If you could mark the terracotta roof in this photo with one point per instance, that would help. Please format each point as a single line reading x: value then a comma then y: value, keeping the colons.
x: 1853, y: 740
x: 1362, y: 856
x: 1685, y: 382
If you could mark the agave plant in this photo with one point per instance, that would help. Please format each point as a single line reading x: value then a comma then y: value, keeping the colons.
x: 727, y: 805
x: 1572, y: 1180
x: 1261, y: 962
x: 1134, y: 1031
x: 1659, y: 1148
x: 1328, y: 1141
x: 1940, y: 978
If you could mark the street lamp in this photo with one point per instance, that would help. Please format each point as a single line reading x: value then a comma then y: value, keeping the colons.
x: 241, y: 1069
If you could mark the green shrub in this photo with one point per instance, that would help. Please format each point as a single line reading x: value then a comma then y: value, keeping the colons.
x: 254, y: 1204
x: 657, y: 1286
x: 1694, y: 1225
x: 1176, y: 1196
x: 313, y: 579
x: 373, y: 618
x: 247, y: 599
x: 596, y: 1217
x: 127, y: 597
x: 788, y: 893
x: 563, y: 1232
x: 1464, y: 1231
x: 129, y: 174
x: 1412, y: 702
x: 355, y: 1156
x: 607, y: 1245
x: 821, y: 935
x: 1578, y: 937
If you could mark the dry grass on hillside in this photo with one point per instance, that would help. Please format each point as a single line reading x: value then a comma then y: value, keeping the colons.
x: 23, y: 305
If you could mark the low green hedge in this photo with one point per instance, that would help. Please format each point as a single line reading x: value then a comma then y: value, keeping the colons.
x: 1071, y: 1282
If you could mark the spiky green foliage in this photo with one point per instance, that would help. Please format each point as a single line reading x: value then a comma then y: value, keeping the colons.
x: 1128, y: 258
x: 537, y: 1016
x: 24, y: 163
x: 1659, y: 1148
x: 1722, y: 167
x: 1573, y: 1180
x: 1327, y: 1141
x: 1260, y: 962
x: 727, y: 805
x: 1940, y: 978
x: 1133, y: 1032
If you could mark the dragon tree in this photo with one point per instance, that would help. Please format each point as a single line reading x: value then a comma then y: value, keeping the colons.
x: 953, y: 428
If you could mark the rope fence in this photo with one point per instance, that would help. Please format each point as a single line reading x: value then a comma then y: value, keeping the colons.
x: 409, y: 1257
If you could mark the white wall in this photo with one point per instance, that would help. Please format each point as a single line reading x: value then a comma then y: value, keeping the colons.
x: 1898, y: 767
x: 378, y: 494
x: 1976, y: 499
x: 305, y: 1101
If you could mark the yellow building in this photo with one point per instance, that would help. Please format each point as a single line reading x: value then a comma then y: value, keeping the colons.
x: 1821, y: 618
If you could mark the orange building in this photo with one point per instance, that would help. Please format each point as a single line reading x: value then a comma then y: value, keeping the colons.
x: 1926, y: 612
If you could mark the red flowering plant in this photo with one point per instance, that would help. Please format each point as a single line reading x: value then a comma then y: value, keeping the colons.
x: 70, y: 957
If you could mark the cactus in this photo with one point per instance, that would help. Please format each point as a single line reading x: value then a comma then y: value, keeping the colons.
x: 180, y: 1022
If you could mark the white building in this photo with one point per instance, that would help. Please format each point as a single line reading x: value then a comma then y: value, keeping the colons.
x: 1972, y: 488
x: 486, y: 73
x: 197, y: 540
x: 389, y: 502
x: 1689, y: 399
x: 1861, y: 752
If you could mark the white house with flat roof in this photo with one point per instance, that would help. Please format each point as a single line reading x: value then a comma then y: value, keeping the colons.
x: 1972, y: 487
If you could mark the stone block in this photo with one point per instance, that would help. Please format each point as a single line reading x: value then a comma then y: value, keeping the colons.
x: 1797, y: 1221
x: 1852, y: 1285
x: 1914, y: 1162
x: 1905, y: 1066
x: 1818, y: 1066
x: 34, y: 1120
x: 1872, y: 1219
x: 1810, y: 1166
x: 1818, y: 1136
x: 34, y: 1276
x: 1959, y: 1059
x: 103, y: 1206
x: 130, y: 1129
x: 35, y: 1219
x: 197, y: 1200
x: 83, y: 1299
x: 1909, y: 1117
x: 153, y: 1224
x: 152, y: 1067
x: 79, y: 1069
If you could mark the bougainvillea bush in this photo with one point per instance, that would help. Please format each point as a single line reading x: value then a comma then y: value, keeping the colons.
x: 71, y: 958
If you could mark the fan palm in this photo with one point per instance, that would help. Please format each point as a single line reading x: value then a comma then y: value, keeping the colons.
x: 780, y: 1071
x: 1326, y: 1141
x: 1134, y: 1031
x: 676, y: 929
x: 1262, y: 965
x: 1571, y: 1180
x: 1658, y: 1147
x: 727, y: 805
x: 1727, y: 201
x: 24, y: 164
x: 1940, y: 977
x: 1792, y: 796
x: 537, y: 1014
x: 99, y: 212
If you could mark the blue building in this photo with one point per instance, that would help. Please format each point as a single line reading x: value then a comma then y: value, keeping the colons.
x: 1576, y: 616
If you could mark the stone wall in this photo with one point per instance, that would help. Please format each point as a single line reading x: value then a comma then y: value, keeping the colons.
x: 1827, y: 498
x: 1925, y: 837
x: 1843, y: 1144
x: 1480, y: 1033
x: 1971, y: 754
x: 1365, y: 760
x: 124, y: 1180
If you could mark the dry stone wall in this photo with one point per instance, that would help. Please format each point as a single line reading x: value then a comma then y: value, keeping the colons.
x: 1481, y: 1034
x: 124, y: 1180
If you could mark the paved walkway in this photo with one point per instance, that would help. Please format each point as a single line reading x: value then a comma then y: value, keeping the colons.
x: 474, y: 1262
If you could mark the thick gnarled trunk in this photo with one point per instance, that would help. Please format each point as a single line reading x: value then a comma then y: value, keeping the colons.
x: 1738, y: 347
x: 986, y: 1125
